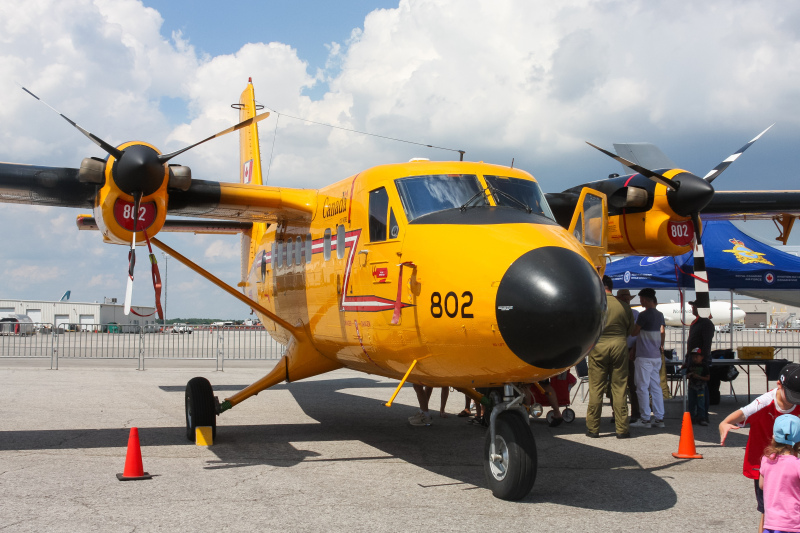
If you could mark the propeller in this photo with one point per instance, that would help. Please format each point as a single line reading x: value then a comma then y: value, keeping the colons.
x: 139, y: 171
x: 687, y: 196
x: 140, y: 168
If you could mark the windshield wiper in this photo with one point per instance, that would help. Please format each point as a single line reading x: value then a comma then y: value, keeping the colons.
x: 515, y: 200
x: 473, y: 198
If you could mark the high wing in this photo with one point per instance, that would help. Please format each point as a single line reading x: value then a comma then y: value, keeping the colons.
x: 632, y: 193
x: 752, y: 205
x: 68, y: 187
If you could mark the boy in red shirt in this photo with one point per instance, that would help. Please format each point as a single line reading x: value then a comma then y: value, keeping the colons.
x: 761, y: 415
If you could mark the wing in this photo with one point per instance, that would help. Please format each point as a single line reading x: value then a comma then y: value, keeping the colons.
x: 28, y: 184
x: 752, y: 205
x: 79, y: 188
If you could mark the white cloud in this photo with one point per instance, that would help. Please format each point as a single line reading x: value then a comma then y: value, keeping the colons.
x: 30, y: 274
x: 220, y: 250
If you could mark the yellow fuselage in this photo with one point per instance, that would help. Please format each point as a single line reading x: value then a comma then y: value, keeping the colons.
x: 335, y: 276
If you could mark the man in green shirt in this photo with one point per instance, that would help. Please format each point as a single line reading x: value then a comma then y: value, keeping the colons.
x: 608, y: 363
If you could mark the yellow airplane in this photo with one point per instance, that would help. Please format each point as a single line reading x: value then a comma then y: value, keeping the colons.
x: 438, y: 273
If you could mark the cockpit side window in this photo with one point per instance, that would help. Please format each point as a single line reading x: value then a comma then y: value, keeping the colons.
x: 516, y: 192
x: 421, y: 195
x: 394, y: 229
x: 378, y: 206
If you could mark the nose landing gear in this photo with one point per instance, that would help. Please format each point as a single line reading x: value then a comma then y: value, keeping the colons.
x: 510, y: 457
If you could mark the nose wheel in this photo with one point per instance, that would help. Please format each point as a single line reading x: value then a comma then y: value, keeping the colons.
x: 510, y: 465
x: 200, y: 407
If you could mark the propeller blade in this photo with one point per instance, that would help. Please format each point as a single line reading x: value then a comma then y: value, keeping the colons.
x: 700, y: 273
x: 128, y: 296
x: 166, y: 157
x: 655, y: 176
x: 111, y: 150
x: 132, y: 256
x: 719, y: 169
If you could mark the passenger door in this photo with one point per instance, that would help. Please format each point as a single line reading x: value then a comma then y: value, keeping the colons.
x: 590, y: 226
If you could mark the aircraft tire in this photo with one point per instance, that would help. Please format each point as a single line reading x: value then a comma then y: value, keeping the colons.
x: 200, y: 410
x: 512, y: 477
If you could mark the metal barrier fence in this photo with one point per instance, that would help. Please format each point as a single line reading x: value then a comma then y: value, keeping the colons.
x: 785, y: 341
x: 221, y: 343
x: 112, y: 341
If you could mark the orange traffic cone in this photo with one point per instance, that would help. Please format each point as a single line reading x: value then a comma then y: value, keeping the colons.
x: 133, y: 460
x: 686, y: 449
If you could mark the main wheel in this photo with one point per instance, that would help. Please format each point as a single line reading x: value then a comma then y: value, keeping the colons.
x: 511, y: 472
x: 200, y: 408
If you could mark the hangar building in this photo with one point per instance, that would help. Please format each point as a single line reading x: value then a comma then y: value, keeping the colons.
x: 87, y: 315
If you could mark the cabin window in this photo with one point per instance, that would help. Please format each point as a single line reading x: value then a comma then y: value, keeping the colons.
x: 517, y: 192
x: 378, y: 205
x: 309, y: 250
x: 284, y: 254
x: 300, y: 250
x: 326, y: 244
x: 276, y: 259
x: 340, y: 244
x: 290, y: 252
x: 272, y: 259
x: 421, y: 195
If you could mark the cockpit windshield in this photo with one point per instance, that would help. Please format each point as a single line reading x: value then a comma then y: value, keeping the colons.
x: 421, y: 195
x: 515, y: 191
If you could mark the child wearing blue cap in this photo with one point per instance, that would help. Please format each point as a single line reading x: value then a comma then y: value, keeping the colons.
x: 780, y: 476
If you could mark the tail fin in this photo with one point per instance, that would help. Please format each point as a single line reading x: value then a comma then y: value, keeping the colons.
x: 65, y: 298
x: 250, y: 170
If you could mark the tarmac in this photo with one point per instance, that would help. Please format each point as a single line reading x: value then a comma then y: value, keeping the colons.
x: 326, y: 454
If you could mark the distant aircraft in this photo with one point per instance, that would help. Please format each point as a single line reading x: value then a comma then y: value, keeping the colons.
x: 720, y: 313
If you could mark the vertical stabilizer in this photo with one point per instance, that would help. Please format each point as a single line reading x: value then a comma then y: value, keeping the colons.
x: 249, y: 170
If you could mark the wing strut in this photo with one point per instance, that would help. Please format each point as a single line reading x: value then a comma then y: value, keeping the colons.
x: 295, y: 331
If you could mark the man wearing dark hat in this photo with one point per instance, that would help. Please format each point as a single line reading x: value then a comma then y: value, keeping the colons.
x: 608, y: 364
x: 650, y: 332
x: 761, y: 415
x: 701, y: 334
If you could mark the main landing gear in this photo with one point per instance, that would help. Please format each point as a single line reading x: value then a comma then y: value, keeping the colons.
x: 201, y: 407
x: 510, y: 457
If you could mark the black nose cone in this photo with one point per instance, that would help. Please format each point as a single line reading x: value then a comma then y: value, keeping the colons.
x: 551, y: 307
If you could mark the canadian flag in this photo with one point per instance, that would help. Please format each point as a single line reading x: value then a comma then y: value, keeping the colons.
x: 247, y: 171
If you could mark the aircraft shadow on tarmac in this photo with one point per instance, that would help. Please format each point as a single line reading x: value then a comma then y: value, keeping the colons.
x: 570, y: 473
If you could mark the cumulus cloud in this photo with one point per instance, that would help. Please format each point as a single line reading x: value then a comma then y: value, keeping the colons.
x: 525, y: 79
x: 221, y: 250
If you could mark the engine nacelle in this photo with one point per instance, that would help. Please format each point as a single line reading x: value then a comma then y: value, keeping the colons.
x: 113, y: 208
x: 655, y: 232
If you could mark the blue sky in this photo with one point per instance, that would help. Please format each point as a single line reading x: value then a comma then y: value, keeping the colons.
x: 524, y: 79
x: 218, y: 28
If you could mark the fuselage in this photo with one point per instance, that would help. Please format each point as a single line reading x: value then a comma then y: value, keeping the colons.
x: 417, y: 262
